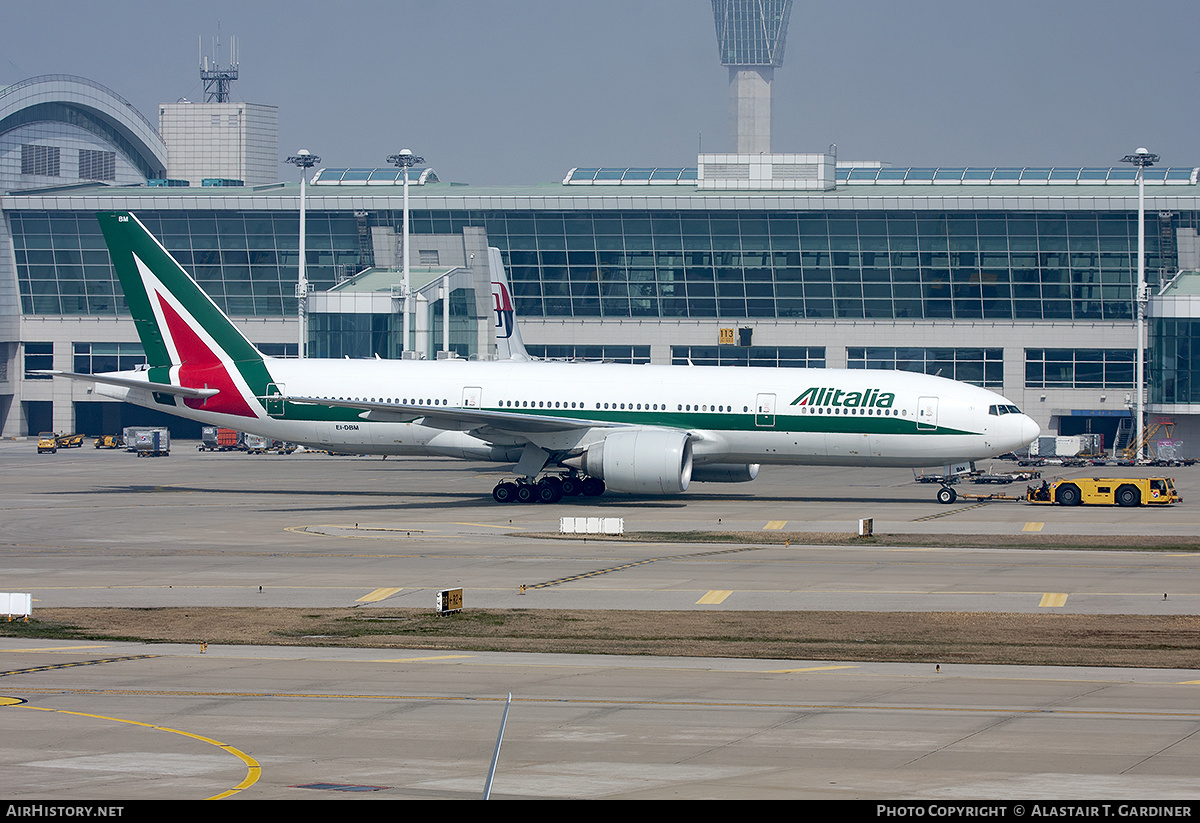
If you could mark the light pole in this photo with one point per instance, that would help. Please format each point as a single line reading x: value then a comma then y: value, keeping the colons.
x: 1141, y: 158
x: 405, y: 160
x: 304, y: 160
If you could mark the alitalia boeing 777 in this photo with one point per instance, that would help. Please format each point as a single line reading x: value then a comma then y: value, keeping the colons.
x: 571, y: 428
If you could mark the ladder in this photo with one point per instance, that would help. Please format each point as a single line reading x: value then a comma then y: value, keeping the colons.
x: 1135, y: 448
x: 1123, y: 436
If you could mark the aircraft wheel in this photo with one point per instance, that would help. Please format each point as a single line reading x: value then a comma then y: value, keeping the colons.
x: 593, y: 487
x: 1129, y: 496
x: 526, y: 493
x: 504, y: 492
x: 946, y: 495
x: 548, y: 492
x: 571, y: 486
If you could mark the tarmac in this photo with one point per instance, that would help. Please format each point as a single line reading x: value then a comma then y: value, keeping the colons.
x: 126, y: 721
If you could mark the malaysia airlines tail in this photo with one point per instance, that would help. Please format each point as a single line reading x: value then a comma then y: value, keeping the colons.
x: 509, y: 345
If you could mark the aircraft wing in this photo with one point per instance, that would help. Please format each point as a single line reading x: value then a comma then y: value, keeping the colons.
x: 447, y: 417
x: 130, y: 383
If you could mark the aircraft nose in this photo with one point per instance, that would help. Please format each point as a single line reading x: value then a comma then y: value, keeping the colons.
x: 1029, y: 429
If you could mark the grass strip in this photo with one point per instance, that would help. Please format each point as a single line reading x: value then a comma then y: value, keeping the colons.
x: 1168, y: 641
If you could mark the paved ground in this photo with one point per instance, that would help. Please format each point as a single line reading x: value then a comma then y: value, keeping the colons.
x: 422, y: 725
x: 84, y: 527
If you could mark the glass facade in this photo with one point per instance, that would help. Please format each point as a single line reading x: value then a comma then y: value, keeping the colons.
x: 1172, y: 368
x: 1079, y: 368
x: 792, y: 357
x: 357, y: 336
x: 613, y: 354
x: 364, y: 336
x: 39, y: 356
x: 981, y: 367
x: 94, y: 358
x: 751, y: 32
x: 245, y: 261
x: 985, y: 265
x: 887, y: 265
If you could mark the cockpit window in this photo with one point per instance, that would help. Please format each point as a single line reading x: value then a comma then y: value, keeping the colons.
x: 998, y: 410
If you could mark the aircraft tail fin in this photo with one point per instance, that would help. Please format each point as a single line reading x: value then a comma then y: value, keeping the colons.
x: 509, y: 345
x: 188, y: 340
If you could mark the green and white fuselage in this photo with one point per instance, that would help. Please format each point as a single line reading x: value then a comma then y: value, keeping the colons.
x: 753, y: 415
x: 631, y: 424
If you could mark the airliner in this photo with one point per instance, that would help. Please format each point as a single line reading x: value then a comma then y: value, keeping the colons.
x: 570, y: 428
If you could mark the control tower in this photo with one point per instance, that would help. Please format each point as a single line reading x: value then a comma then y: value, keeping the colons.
x: 750, y: 36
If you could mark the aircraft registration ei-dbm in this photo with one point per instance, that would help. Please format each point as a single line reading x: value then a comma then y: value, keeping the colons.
x: 570, y: 428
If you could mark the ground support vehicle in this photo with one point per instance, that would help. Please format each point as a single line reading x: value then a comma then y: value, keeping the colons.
x: 255, y: 443
x: 1067, y: 462
x: 945, y: 478
x: 47, y: 443
x: 954, y: 495
x: 1106, y: 491
x: 1095, y: 491
x: 1004, y: 478
x: 153, y: 443
x: 109, y: 441
x: 70, y: 441
x: 218, y: 439
x: 129, y: 436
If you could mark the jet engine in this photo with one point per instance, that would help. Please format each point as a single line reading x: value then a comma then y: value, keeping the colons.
x: 640, y: 461
x: 725, y: 473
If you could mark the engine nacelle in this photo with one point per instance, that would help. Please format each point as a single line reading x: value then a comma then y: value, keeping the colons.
x: 725, y: 473
x: 640, y: 461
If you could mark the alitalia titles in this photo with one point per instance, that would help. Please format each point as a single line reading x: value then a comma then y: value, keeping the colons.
x: 822, y: 396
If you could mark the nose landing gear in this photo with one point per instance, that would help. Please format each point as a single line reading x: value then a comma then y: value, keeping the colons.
x: 947, y: 494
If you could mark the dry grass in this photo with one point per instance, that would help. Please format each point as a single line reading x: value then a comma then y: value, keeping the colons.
x: 956, y: 637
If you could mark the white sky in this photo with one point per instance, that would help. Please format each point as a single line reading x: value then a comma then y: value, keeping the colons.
x: 519, y: 91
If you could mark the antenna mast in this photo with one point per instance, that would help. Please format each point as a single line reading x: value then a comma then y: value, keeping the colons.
x: 216, y: 79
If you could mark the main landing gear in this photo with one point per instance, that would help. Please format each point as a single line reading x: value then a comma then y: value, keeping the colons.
x: 549, y: 489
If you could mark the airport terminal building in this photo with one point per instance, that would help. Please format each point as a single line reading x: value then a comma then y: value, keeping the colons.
x: 1017, y: 279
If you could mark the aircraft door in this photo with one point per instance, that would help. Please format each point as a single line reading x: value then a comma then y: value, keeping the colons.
x: 274, y: 402
x: 472, y: 397
x: 324, y: 433
x: 927, y: 412
x: 764, y: 414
